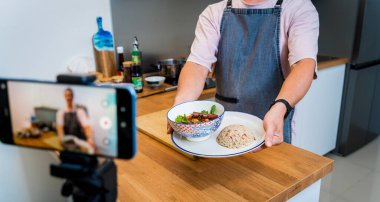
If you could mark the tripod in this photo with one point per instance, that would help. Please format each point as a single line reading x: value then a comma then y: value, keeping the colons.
x: 87, y: 179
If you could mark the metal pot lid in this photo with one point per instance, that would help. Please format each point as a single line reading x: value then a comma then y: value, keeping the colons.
x: 181, y: 60
x: 169, y: 61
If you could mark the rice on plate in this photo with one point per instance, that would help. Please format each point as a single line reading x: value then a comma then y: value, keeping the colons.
x: 235, y: 136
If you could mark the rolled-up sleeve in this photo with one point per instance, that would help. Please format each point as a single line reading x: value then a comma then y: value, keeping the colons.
x: 205, y: 44
x: 82, y: 117
x: 303, y: 34
x: 59, y: 118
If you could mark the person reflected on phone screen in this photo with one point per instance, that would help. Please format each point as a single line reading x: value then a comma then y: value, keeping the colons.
x: 73, y: 126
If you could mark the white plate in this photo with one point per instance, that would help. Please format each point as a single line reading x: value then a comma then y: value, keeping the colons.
x: 211, y: 149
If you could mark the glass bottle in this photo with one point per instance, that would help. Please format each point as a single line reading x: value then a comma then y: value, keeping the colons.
x: 136, y: 52
x: 137, y: 78
x: 120, y: 57
x: 104, y: 51
x: 127, y: 71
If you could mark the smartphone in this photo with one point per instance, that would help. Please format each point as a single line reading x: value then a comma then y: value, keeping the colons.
x: 88, y: 119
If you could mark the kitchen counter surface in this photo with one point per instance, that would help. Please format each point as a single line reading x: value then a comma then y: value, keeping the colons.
x: 160, y: 173
x: 325, y: 62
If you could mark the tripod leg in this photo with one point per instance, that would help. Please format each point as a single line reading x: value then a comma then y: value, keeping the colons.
x: 67, y: 188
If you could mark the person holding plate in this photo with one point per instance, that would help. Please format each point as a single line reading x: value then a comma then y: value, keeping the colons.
x: 265, y: 53
x: 74, y: 121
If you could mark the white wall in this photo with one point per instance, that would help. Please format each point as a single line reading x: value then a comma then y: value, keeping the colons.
x: 38, y: 38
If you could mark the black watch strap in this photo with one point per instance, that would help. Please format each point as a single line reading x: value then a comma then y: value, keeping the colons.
x: 289, y: 108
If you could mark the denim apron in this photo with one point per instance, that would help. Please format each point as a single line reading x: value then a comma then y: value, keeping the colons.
x: 248, y: 69
x: 72, y: 125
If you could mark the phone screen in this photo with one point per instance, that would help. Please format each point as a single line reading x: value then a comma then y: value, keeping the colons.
x: 64, y: 117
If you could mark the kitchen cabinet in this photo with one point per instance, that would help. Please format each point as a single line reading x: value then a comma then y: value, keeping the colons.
x: 374, y: 126
x: 317, y: 114
x: 359, y: 111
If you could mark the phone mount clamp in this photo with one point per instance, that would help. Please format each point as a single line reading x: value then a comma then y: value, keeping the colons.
x: 88, y: 178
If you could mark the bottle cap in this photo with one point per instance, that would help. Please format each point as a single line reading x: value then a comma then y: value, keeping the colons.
x: 120, y: 49
x: 135, y: 42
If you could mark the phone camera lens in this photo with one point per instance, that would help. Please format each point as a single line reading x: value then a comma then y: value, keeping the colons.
x: 3, y: 86
x: 123, y: 109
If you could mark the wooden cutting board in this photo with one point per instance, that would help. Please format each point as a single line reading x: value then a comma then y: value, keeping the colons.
x: 154, y: 125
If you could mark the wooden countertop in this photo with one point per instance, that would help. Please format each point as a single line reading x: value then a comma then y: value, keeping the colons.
x: 324, y: 64
x: 159, y: 173
x: 47, y: 140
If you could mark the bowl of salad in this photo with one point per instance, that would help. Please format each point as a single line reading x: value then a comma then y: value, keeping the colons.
x: 196, y: 120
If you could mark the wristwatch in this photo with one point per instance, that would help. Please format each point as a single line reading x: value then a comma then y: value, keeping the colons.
x: 289, y: 108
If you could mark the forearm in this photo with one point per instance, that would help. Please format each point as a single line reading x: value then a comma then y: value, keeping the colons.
x: 298, y: 82
x: 88, y: 133
x: 293, y: 90
x: 60, y: 132
x: 191, y: 82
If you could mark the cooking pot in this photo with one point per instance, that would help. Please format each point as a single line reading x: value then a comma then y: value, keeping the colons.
x: 169, y: 68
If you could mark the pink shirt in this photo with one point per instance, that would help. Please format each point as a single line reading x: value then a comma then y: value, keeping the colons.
x: 298, y: 33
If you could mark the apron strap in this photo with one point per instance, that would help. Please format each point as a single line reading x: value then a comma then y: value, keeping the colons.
x: 279, y: 3
x: 229, y: 4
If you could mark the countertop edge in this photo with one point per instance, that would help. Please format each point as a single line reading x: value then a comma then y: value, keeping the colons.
x: 332, y: 63
x: 311, y: 179
x: 305, y: 182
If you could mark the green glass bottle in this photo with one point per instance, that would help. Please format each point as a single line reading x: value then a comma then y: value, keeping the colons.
x: 135, y: 52
x: 137, y: 78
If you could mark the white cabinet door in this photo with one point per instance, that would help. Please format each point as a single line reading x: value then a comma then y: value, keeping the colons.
x: 317, y: 114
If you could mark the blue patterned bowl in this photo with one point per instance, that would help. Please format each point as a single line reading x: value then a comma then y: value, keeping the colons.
x: 198, y: 131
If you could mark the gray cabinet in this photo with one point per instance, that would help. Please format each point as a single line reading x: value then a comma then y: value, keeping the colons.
x: 360, y: 114
x: 374, y: 126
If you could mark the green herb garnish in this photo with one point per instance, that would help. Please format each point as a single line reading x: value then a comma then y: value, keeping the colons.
x: 213, y: 109
x: 181, y: 119
x: 178, y: 119
x: 204, y: 112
